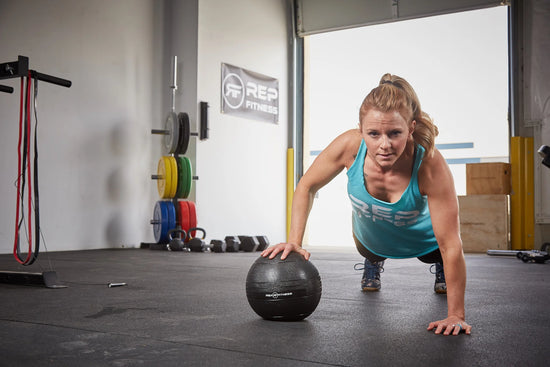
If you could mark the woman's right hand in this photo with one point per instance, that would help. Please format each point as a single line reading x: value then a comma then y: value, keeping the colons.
x: 286, y: 248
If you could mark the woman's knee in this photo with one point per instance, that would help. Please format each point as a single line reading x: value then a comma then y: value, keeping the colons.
x: 432, y: 258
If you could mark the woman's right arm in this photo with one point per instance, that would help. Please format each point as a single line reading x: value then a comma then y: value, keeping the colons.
x: 332, y: 160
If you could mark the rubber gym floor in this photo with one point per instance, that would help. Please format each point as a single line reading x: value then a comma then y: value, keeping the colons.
x: 190, y: 309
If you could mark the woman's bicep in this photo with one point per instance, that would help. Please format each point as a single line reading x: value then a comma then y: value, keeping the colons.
x: 330, y: 162
x: 438, y: 185
x: 445, y: 219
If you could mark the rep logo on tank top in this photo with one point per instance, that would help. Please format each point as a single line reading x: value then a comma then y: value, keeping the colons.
x: 375, y: 212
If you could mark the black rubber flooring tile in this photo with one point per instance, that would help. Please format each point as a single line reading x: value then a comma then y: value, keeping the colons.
x: 181, y: 309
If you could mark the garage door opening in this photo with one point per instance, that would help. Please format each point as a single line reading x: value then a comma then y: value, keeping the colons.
x: 458, y: 65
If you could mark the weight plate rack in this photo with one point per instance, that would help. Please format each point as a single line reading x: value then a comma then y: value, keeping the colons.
x: 174, y: 176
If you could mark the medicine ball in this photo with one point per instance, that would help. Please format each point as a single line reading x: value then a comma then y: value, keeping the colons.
x: 283, y: 290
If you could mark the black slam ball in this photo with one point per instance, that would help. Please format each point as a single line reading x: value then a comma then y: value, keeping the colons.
x: 283, y: 290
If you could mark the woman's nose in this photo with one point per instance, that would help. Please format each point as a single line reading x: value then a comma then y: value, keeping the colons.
x: 385, y: 141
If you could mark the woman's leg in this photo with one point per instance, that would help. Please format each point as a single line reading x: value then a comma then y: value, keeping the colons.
x: 432, y: 258
x: 435, y: 258
x: 374, y: 265
x: 373, y: 258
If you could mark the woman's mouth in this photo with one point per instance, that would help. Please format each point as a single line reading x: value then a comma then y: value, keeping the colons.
x: 385, y: 155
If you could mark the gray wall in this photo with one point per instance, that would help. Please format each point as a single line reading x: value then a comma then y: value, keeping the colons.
x: 242, y: 167
x: 96, y: 150
x: 94, y: 142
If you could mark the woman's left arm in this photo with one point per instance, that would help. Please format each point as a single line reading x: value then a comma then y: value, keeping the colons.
x: 436, y: 181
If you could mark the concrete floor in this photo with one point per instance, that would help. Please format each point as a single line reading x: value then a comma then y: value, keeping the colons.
x: 190, y: 309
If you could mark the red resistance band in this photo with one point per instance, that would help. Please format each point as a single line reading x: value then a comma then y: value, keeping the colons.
x: 24, y: 165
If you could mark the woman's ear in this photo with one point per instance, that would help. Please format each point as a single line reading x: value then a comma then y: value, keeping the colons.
x: 412, y: 127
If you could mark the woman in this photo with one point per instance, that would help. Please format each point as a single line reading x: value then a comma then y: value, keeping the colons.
x: 402, y: 194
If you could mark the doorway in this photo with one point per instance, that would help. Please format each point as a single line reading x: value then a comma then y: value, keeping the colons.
x: 458, y: 65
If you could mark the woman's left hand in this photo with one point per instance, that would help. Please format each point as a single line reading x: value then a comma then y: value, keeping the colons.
x: 452, y: 325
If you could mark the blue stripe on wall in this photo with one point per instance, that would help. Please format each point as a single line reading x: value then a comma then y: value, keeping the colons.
x: 462, y: 160
x: 454, y: 146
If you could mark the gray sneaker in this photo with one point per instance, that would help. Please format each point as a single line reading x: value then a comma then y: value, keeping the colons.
x: 440, y: 285
x: 371, y: 275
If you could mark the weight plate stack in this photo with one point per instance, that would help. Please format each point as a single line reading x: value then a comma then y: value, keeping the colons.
x: 167, y: 177
x: 174, y: 183
x: 171, y: 217
x: 171, y: 138
x: 187, y: 216
x: 164, y: 219
x: 187, y: 177
x: 192, y: 217
x: 160, y: 222
x: 164, y: 180
x: 185, y: 132
x: 179, y: 191
x: 183, y: 215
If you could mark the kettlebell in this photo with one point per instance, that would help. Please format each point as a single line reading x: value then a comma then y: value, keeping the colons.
x: 176, y: 243
x: 197, y: 244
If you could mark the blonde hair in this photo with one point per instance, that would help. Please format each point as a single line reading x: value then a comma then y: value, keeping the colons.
x: 394, y: 93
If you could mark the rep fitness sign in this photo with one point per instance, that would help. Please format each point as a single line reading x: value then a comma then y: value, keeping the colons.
x: 249, y: 94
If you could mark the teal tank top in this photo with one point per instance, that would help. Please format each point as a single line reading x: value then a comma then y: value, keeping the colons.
x: 394, y: 230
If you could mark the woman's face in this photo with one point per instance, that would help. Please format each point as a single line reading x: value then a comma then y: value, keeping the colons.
x: 386, y: 135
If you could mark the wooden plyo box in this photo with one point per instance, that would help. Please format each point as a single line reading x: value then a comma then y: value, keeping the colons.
x: 484, y: 222
x: 488, y: 178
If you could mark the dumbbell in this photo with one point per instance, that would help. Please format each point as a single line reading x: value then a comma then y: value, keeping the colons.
x: 218, y: 246
x: 233, y: 243
x: 264, y: 243
x: 196, y: 244
x: 176, y: 243
x: 249, y: 243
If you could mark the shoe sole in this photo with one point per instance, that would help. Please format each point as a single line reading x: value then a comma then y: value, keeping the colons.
x: 441, y: 292
x: 367, y: 289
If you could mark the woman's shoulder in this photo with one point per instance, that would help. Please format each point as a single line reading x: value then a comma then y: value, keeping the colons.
x: 348, y: 144
x: 343, y: 148
x: 350, y: 139
x: 433, y: 160
x: 434, y: 171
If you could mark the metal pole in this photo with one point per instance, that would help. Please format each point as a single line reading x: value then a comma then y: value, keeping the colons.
x: 174, y: 85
